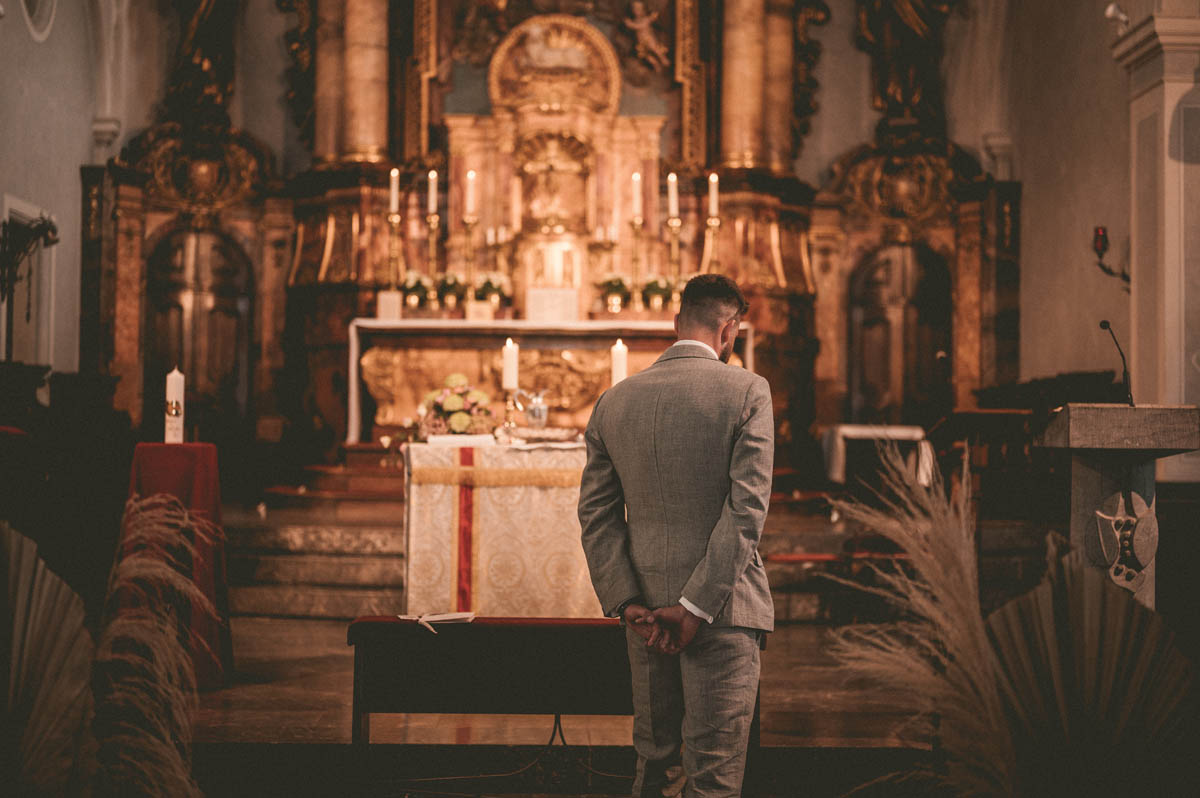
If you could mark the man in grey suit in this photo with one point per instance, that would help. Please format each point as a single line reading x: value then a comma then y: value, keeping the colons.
x: 672, y: 504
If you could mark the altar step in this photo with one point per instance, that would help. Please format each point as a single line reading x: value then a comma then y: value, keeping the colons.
x: 332, y: 547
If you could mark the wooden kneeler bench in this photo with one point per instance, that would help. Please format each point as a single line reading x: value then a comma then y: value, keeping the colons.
x: 501, y: 666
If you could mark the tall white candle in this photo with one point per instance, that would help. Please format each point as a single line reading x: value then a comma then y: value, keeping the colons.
x: 490, y: 236
x: 431, y: 204
x: 636, y: 181
x: 394, y: 192
x: 508, y: 379
x: 173, y: 428
x: 712, y: 194
x: 470, y: 202
x: 672, y: 196
x: 620, y: 361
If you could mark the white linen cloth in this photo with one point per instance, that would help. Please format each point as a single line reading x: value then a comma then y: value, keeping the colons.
x: 525, y: 558
x: 833, y: 445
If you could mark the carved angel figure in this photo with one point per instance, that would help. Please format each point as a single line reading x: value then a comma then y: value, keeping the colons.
x: 648, y: 47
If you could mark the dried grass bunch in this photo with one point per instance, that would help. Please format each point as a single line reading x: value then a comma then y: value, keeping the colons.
x: 1073, y: 688
x: 115, y: 719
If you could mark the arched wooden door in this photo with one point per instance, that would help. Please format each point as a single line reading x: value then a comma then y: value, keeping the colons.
x: 900, y: 337
x: 199, y: 311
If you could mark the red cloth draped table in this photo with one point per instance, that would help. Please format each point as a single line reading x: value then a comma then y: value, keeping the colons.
x: 188, y: 471
x: 494, y: 530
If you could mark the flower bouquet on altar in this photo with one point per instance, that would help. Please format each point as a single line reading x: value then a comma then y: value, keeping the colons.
x: 456, y: 408
x: 416, y: 289
x: 494, y: 288
x: 614, y: 291
x: 656, y: 292
x: 451, y: 289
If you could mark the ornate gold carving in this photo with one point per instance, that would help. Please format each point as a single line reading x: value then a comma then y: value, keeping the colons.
x: 552, y: 62
x: 804, y: 82
x: 301, y: 44
x: 554, y: 171
x: 425, y: 54
x: 572, y: 379
x: 911, y: 188
x: 689, y: 73
x: 231, y: 170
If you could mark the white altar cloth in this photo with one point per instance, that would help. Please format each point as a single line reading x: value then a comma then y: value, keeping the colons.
x: 493, y: 530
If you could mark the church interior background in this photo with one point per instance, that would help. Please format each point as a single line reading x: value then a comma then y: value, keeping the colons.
x: 319, y: 209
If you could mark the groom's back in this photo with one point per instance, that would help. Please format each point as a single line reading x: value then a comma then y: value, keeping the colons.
x: 669, y: 432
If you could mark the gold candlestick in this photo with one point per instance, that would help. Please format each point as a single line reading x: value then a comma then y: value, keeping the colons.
x: 635, y: 263
x: 397, y: 267
x: 510, y: 410
x: 434, y: 222
x: 710, y: 261
x: 674, y: 225
x: 469, y: 223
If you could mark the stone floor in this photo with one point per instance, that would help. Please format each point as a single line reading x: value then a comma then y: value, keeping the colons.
x: 283, y: 727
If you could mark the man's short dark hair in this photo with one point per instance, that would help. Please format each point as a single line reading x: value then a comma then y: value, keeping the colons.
x: 710, y: 300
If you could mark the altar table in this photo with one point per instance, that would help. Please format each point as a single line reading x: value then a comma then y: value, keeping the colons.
x: 188, y: 471
x: 493, y: 530
x: 833, y: 444
x: 572, y: 358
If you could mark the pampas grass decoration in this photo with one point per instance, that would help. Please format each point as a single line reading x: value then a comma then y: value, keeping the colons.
x: 1074, y: 688
x: 144, y: 678
x: 938, y: 654
x: 46, y: 672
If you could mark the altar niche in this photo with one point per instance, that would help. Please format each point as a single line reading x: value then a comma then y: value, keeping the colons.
x: 199, y: 312
x: 900, y: 337
x: 554, y: 163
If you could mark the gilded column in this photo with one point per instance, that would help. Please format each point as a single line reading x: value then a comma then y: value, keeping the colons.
x: 327, y: 96
x: 366, y: 84
x: 779, y: 98
x: 743, y: 68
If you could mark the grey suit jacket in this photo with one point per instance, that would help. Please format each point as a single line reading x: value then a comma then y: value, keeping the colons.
x: 676, y: 487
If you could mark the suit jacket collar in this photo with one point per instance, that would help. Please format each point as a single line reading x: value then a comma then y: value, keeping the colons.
x: 686, y: 350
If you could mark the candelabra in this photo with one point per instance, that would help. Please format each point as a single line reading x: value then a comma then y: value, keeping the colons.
x: 397, y: 268
x: 674, y: 224
x: 710, y: 261
x: 637, y: 223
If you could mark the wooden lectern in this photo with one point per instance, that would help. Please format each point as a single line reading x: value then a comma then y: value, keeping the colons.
x: 1113, y: 452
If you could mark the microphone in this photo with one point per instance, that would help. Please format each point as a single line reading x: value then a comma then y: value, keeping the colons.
x: 1104, y: 325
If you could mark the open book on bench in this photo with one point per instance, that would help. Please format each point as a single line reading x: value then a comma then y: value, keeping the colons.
x: 427, y: 620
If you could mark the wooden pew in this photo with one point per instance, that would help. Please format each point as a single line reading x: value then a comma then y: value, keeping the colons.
x: 505, y: 666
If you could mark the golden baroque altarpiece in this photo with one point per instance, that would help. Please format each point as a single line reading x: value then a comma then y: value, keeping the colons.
x: 536, y: 117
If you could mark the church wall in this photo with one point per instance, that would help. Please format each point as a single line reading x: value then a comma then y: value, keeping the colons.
x: 1069, y: 116
x: 259, y: 104
x: 151, y: 38
x: 46, y: 108
x: 844, y: 118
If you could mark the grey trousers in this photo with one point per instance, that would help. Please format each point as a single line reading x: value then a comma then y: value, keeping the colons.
x: 701, y: 701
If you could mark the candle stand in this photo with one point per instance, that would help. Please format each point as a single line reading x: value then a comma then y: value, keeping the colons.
x: 397, y: 268
x: 674, y: 225
x: 433, y: 221
x: 710, y: 261
x: 637, y: 223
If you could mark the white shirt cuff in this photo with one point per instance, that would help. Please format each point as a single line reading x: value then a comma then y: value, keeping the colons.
x: 694, y: 610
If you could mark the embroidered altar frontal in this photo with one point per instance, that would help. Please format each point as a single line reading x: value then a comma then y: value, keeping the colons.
x: 493, y: 530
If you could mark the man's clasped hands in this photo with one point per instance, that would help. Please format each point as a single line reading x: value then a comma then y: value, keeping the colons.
x: 667, y: 630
